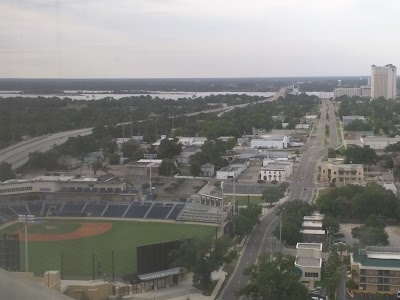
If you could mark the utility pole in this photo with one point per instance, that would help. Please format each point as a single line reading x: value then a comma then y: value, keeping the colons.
x: 234, y: 192
x: 222, y: 206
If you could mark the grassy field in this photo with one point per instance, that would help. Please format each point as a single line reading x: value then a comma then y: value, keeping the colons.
x: 122, y: 239
x: 243, y: 199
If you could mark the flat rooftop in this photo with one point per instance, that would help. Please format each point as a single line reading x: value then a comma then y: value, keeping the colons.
x: 313, y: 231
x: 316, y: 246
x: 384, y: 260
x: 313, y: 218
x: 308, y: 262
x: 314, y: 224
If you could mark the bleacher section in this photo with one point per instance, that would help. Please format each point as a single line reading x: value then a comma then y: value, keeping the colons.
x: 20, y: 209
x: 51, y: 207
x: 196, y: 212
x: 115, y: 210
x: 175, y: 212
x: 95, y: 209
x: 159, y: 211
x: 73, y: 207
x: 35, y: 209
x: 138, y: 210
x: 7, y: 212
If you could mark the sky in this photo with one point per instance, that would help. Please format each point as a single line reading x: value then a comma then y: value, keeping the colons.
x: 196, y: 38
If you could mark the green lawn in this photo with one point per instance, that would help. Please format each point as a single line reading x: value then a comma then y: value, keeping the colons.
x: 243, y: 199
x: 122, y: 239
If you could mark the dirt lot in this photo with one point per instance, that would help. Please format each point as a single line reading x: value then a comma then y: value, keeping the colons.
x: 392, y: 231
x: 251, y: 173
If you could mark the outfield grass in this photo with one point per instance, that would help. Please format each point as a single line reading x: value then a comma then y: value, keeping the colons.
x: 122, y: 239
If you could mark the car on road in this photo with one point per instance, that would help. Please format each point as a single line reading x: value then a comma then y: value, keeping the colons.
x: 398, y: 295
x: 301, y: 178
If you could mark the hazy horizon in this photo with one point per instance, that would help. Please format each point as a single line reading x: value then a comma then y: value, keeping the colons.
x: 161, y: 39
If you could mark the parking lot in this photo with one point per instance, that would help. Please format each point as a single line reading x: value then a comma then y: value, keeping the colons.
x: 392, y: 231
x: 371, y: 296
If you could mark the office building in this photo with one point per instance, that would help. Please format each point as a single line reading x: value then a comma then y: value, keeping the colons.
x: 309, y: 260
x: 383, y: 81
x: 338, y: 172
x: 377, y: 268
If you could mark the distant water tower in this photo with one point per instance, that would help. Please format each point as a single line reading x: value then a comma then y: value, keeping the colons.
x: 339, y: 83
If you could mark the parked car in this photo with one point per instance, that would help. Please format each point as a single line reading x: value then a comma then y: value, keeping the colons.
x: 338, y: 235
x: 398, y: 295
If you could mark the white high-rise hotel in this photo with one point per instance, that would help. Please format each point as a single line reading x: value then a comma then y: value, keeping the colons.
x: 383, y: 82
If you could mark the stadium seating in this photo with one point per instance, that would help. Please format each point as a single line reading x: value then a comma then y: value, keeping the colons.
x: 159, y: 211
x: 20, y: 209
x: 95, y: 209
x: 115, y: 210
x: 138, y: 210
x: 35, y: 208
x: 51, y: 207
x: 175, y: 211
x: 7, y: 212
x: 73, y: 207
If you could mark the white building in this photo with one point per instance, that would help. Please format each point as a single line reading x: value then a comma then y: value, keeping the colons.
x: 379, y: 143
x: 276, y: 170
x: 383, y: 81
x: 228, y: 172
x: 350, y: 92
x: 270, y: 142
x: 309, y: 260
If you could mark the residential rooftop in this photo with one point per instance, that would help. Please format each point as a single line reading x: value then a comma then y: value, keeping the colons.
x: 312, y: 231
x: 316, y: 246
x: 308, y: 262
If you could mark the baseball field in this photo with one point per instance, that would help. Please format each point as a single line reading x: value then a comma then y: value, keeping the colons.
x: 73, y: 245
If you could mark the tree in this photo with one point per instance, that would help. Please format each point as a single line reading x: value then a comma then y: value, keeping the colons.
x: 276, y: 279
x: 370, y: 236
x: 131, y: 149
x: 167, y: 167
x: 169, y: 148
x: 331, y: 224
x: 272, y: 194
x: 372, y: 232
x: 202, y: 257
x: 360, y: 155
x: 195, y: 168
x: 6, y: 171
x: 114, y: 159
x: 331, y: 153
x: 358, y: 125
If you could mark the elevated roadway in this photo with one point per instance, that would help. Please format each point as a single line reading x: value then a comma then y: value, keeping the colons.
x: 18, y: 154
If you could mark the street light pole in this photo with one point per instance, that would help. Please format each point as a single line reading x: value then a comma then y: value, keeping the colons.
x: 26, y: 219
x: 150, y: 156
x: 222, y: 206
x: 234, y: 191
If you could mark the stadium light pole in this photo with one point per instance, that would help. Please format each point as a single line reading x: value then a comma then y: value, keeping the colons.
x: 150, y: 156
x: 26, y: 219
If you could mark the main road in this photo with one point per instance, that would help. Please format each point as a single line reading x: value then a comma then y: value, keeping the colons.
x: 302, y: 187
x: 18, y: 154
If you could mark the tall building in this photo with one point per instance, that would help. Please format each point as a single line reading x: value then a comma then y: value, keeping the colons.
x: 383, y: 81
